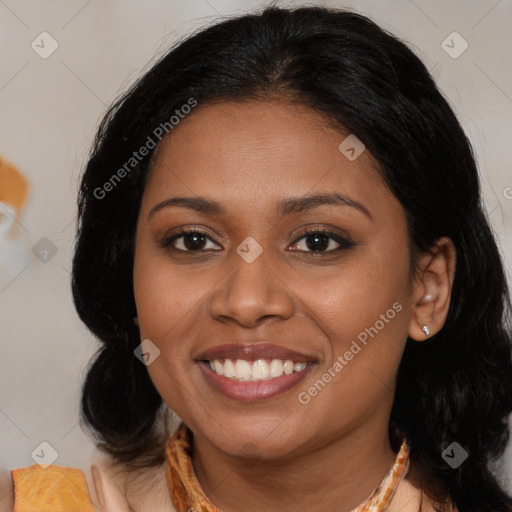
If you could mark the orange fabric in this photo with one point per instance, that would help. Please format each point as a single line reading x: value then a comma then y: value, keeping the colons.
x: 13, y: 185
x: 186, y: 492
x: 54, y: 489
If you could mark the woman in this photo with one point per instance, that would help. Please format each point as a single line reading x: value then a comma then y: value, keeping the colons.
x: 282, y: 240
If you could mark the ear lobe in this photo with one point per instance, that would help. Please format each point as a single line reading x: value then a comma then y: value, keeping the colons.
x: 432, y: 290
x: 135, y: 321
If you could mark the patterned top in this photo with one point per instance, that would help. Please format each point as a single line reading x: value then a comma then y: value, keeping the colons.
x: 187, y: 494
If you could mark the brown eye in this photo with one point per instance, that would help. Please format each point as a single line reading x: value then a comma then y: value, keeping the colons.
x: 322, y: 241
x: 191, y: 240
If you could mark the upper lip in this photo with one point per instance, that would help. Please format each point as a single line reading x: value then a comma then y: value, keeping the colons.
x: 252, y: 352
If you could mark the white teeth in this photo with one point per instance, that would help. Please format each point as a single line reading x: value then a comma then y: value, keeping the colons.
x: 276, y: 368
x: 229, y: 369
x: 288, y: 367
x: 260, y: 369
x: 243, y: 370
x: 299, y: 367
x: 218, y: 367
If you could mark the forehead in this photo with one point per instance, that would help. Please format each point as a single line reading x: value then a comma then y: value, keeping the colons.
x: 258, y: 152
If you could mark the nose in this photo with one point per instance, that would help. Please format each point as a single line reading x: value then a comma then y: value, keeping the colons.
x: 251, y: 292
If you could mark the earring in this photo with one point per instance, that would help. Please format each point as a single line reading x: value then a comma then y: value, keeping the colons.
x: 426, y: 331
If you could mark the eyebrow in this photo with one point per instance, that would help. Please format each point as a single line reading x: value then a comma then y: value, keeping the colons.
x: 285, y: 206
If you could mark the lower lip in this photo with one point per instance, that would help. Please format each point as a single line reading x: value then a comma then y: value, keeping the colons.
x: 251, y: 391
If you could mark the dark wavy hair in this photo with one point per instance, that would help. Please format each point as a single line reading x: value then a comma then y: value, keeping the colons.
x: 456, y: 386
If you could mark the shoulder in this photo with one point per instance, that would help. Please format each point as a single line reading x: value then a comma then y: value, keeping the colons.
x: 102, y: 487
x: 115, y: 489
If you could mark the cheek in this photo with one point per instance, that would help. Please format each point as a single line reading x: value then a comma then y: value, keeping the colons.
x: 170, y: 303
x: 357, y: 295
x: 163, y: 306
x: 162, y: 293
x: 159, y: 301
x: 363, y: 309
x: 364, y: 315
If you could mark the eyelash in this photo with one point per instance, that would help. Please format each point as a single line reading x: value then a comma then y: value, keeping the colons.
x: 345, y: 243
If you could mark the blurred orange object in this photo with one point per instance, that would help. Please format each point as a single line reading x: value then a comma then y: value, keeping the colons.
x: 13, y: 185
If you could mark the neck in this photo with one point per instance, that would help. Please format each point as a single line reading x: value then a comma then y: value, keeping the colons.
x: 335, y: 477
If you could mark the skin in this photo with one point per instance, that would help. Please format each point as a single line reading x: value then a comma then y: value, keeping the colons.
x: 279, y: 454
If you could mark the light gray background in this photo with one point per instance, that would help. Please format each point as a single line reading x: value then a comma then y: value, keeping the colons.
x: 49, y: 109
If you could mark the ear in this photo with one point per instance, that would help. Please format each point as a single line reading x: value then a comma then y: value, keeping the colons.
x: 135, y: 321
x: 432, y: 289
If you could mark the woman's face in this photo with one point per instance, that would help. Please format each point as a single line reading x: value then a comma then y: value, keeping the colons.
x: 257, y: 293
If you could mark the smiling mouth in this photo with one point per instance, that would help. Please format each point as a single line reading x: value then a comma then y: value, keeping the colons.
x: 254, y: 380
x: 254, y: 371
x: 258, y: 370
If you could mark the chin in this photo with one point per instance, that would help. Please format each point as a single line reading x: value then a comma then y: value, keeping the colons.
x: 255, y: 437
